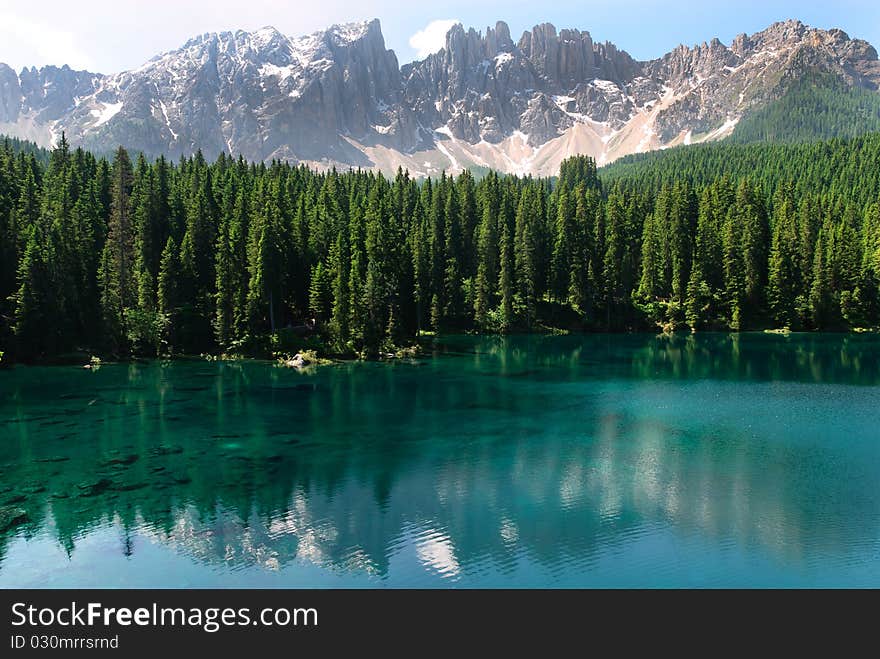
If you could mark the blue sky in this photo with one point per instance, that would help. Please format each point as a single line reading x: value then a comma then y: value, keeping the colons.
x: 109, y: 35
x: 650, y: 28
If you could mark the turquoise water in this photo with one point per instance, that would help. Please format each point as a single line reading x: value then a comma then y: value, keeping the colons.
x: 713, y: 460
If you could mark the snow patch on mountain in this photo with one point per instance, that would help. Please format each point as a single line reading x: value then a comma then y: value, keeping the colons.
x: 273, y: 71
x: 339, y: 97
x: 164, y: 109
x: 106, y: 113
x: 350, y: 32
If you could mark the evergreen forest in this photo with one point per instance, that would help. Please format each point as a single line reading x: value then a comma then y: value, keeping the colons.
x: 126, y: 257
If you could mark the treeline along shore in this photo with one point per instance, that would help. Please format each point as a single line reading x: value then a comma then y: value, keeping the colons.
x: 127, y: 257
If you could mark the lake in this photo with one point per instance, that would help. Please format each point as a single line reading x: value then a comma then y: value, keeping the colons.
x: 711, y: 460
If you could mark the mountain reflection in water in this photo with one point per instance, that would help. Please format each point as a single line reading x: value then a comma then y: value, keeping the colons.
x: 747, y: 460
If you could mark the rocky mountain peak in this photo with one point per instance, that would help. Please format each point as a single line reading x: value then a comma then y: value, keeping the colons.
x: 339, y: 96
x: 498, y: 39
x: 266, y: 38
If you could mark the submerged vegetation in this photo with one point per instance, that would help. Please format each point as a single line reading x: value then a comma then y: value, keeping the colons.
x: 206, y: 456
x: 146, y: 258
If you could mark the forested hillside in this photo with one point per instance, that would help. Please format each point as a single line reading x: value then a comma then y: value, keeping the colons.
x: 13, y: 145
x: 814, y: 107
x: 845, y: 171
x: 136, y: 257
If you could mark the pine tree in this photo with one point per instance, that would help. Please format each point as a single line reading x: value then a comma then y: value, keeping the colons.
x: 117, y: 272
x: 22, y: 214
x: 200, y: 229
x: 526, y: 255
x: 341, y: 269
x: 867, y: 293
x: 822, y: 311
x: 682, y: 229
x: 468, y: 224
x: 224, y: 319
x: 239, y: 228
x: 420, y: 251
x: 563, y: 246
x: 168, y: 296
x: 437, y: 218
x: 582, y: 278
x: 33, y: 326
x: 506, y: 279
x: 320, y: 294
x: 617, y: 268
x: 809, y: 222
x: 380, y: 286
x: 265, y: 266
x: 487, y: 268
x: 733, y: 268
x: 454, y: 251
x: 755, y: 248
x: 649, y: 284
x: 707, y: 276
x: 86, y: 236
x: 784, y: 277
x: 844, y: 262
x: 144, y: 218
x: 357, y: 279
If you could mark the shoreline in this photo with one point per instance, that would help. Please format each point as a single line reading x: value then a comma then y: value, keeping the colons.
x: 317, y: 359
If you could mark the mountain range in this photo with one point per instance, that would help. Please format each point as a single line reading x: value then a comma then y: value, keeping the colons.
x: 339, y: 97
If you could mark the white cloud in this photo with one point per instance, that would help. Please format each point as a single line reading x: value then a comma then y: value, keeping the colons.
x: 432, y: 37
x: 47, y: 44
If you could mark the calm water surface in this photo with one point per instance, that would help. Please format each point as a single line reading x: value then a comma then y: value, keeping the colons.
x: 713, y: 460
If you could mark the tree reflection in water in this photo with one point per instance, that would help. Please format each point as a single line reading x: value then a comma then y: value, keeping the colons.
x: 556, y: 451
